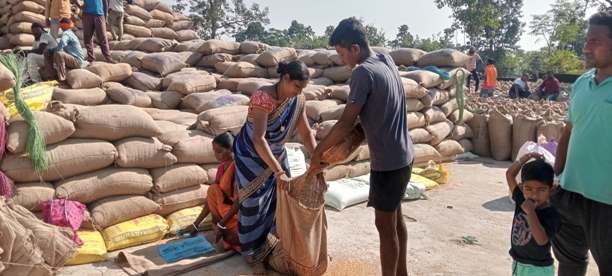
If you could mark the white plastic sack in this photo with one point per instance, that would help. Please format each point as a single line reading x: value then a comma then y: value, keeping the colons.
x: 531, y: 146
x: 414, y: 191
x: 347, y: 192
x: 297, y: 161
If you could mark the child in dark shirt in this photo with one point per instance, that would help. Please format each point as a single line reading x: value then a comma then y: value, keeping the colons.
x: 535, y: 221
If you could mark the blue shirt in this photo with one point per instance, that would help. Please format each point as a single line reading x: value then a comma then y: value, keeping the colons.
x: 589, y: 155
x: 94, y: 7
x: 70, y: 44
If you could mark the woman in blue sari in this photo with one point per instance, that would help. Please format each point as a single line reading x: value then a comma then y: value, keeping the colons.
x: 275, y: 113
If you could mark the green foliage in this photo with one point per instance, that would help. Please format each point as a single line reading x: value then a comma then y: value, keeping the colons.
x: 403, y: 39
x: 375, y: 36
x: 563, y: 26
x: 563, y: 61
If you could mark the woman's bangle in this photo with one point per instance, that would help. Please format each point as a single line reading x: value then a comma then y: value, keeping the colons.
x: 196, y: 227
x: 221, y: 226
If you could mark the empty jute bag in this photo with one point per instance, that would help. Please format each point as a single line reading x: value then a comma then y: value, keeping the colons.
x: 344, y: 151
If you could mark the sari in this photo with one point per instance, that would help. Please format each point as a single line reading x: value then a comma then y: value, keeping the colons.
x: 255, y: 180
x: 220, y: 198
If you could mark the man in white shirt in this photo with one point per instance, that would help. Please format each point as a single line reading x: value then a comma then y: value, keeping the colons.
x: 520, y: 87
x: 39, y: 55
x: 471, y: 66
x: 115, y: 18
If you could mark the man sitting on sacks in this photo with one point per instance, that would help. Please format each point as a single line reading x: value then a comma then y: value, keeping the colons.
x: 67, y: 55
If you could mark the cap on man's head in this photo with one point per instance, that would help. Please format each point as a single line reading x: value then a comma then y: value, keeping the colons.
x: 37, y: 25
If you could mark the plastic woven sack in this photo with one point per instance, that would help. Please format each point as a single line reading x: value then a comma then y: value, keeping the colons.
x: 65, y: 213
x: 36, y: 96
x: 185, y: 248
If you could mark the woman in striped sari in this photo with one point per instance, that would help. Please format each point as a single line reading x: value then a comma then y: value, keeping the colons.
x: 276, y: 112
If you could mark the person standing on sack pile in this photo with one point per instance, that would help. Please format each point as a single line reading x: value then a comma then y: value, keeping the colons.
x: 584, y: 159
x: 55, y: 10
x: 222, y: 198
x: 377, y: 98
x: 520, y: 87
x: 68, y: 54
x: 550, y: 88
x: 490, y: 83
x: 471, y: 66
x: 115, y: 18
x: 94, y: 17
x: 275, y: 114
x: 42, y: 49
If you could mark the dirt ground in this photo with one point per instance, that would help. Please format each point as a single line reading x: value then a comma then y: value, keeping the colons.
x: 460, y: 229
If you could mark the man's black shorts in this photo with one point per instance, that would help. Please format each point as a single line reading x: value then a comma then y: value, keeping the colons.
x: 387, y: 189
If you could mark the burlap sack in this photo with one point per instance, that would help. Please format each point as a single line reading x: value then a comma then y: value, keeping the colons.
x: 114, y: 122
x: 340, y: 92
x: 21, y: 27
x: 29, y: 6
x: 191, y: 46
x: 104, y: 183
x: 182, y: 25
x: 167, y: 126
x: 440, y: 131
x: 31, y: 195
x: 434, y: 115
x: 165, y: 33
x: 192, y: 83
x: 424, y: 78
x: 449, y: 148
x: 134, y: 20
x: 323, y: 57
x: 251, y: 58
x: 111, y: 72
x: 224, y: 101
x: 413, y: 89
x: 314, y: 109
x: 26, y: 16
x: 138, y: 11
x: 315, y: 92
x: 414, y: 105
x: 187, y: 35
x: 65, y: 159
x: 315, y: 73
x: 128, y: 45
x: 461, y: 132
x: 175, y: 116
x: 272, y: 72
x: 323, y: 129
x: 333, y: 113
x: 144, y: 82
x: 211, y: 60
x: 443, y: 58
x: 467, y: 116
x: 64, y: 110
x: 83, y: 79
x: 223, y: 119
x: 177, y: 177
x: 165, y: 99
x: 195, y: 100
x: 54, y: 130
x: 480, y: 129
x: 416, y: 120
x: 21, y: 40
x: 195, y: 149
x: 166, y: 8
x: 357, y: 169
x: 162, y: 63
x: 345, y: 151
x: 467, y: 145
x: 427, y: 101
x: 230, y: 84
x: 113, y: 210
x: 338, y: 73
x: 93, y: 96
x: 214, y: 46
x: 439, y: 97
x: 336, y: 172
x: 406, y: 56
x: 449, y: 107
x: 245, y: 70
x: 7, y: 79
x: 137, y: 31
x: 126, y: 96
x: 147, y: 153
x: 180, y: 199
x: 500, y: 135
x: 164, y: 16
x: 252, y: 47
x: 156, y: 23
x: 134, y: 58
x: 273, y: 56
x: 420, y: 136
x: 148, y: 5
x: 221, y: 67
x: 454, y: 75
x: 524, y: 129
x: 550, y: 131
x: 424, y: 153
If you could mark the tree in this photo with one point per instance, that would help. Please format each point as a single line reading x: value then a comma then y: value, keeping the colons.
x: 375, y: 37
x: 255, y: 31
x: 403, y: 38
x: 214, y: 18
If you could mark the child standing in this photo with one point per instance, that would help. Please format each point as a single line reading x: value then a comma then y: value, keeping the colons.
x: 488, y: 87
x: 535, y: 221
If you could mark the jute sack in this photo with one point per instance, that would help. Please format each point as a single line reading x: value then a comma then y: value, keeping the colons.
x: 28, y: 6
x: 424, y: 78
x: 449, y: 148
x: 137, y: 31
x: 449, y: 107
x: 165, y: 33
x: 440, y: 131
x: 315, y: 108
x: 439, y: 97
x: 134, y: 58
x: 146, y: 153
x: 443, y: 58
x: 54, y: 130
x: 211, y: 171
x: 182, y: 25
x: 196, y: 149
x: 156, y: 23
x: 467, y: 145
x: 338, y: 73
x: 424, y: 153
x: 167, y: 126
x: 315, y: 72
x: 524, y: 129
x: 191, y: 46
x: 420, y: 136
x: 346, y: 150
x: 177, y: 177
x: 336, y: 172
x: 248, y: 86
x: 162, y: 63
x: 139, y: 12
x: 461, y: 132
x: 316, y: 92
x: 165, y: 99
x: 156, y: 45
x: 21, y: 40
x: 223, y: 119
x: 480, y: 129
x: 180, y: 199
x: 17, y: 244
x: 113, y: 210
x: 193, y: 83
x: 83, y: 79
x: 224, y: 101
x: 273, y: 56
x: 305, y: 56
x: 175, y: 116
x: 323, y: 129
x: 90, y: 187
x: 252, y: 47
x: 55, y: 243
x: 414, y: 105
x: 406, y: 56
x: 127, y: 45
x: 148, y: 5
x: 434, y: 115
x: 323, y: 57
x: 174, y: 137
x: 144, y: 82
x: 340, y: 92
x: 114, y: 122
x: 252, y: 59
x: 7, y: 79
x: 550, y: 131
x: 427, y: 101
x: 26, y: 16
x: 413, y: 89
x: 126, y: 96
x: 416, y: 120
x: 21, y: 27
x: 195, y: 100
x: 321, y: 81
x: 214, y: 46
x: 211, y: 60
x: 64, y: 110
x: 467, y: 116
x: 177, y: 76
x: 134, y: 20
x: 454, y: 75
x: 221, y: 67
x: 92, y: 96
x: 31, y: 195
x: 357, y: 169
x: 333, y: 113
x: 68, y: 158
x: 187, y: 35
x: 111, y: 72
x: 245, y: 70
x: 500, y: 135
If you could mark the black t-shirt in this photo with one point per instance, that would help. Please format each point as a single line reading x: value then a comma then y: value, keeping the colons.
x: 524, y: 247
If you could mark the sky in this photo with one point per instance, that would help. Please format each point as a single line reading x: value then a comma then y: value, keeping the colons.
x: 422, y: 16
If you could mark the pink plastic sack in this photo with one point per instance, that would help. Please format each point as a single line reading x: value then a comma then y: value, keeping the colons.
x: 65, y: 213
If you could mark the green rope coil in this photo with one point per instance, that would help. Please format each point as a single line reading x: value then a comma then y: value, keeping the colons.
x: 459, y: 85
x: 36, y: 146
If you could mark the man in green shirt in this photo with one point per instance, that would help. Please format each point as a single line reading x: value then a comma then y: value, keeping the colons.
x: 584, y: 161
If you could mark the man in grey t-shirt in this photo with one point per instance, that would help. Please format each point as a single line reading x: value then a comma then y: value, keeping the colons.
x: 377, y: 98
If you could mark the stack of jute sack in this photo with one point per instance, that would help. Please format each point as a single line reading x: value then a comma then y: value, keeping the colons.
x: 501, y: 125
x: 143, y: 19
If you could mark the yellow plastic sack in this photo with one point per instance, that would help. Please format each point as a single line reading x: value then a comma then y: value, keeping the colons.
x: 428, y: 183
x: 135, y: 232
x: 183, y: 218
x: 36, y: 96
x: 433, y: 171
x: 93, y: 249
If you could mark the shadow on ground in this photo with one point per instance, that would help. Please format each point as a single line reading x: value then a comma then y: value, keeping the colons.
x: 502, y: 204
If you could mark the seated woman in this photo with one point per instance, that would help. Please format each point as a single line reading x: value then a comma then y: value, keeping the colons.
x: 222, y: 198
